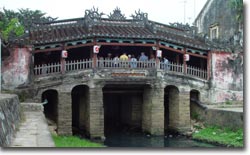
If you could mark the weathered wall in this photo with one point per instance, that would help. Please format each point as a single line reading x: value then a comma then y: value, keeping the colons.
x: 15, y: 70
x: 9, y: 118
x: 227, y: 77
x: 217, y: 12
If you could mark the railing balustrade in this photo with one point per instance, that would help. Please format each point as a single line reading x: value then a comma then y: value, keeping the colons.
x: 47, y: 69
x: 197, y: 72
x: 110, y: 63
x: 76, y: 65
x: 172, y: 67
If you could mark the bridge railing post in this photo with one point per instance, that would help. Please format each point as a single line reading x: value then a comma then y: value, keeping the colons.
x: 94, y: 65
x: 63, y: 64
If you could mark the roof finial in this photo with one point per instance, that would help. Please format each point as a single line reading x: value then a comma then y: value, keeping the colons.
x: 117, y: 15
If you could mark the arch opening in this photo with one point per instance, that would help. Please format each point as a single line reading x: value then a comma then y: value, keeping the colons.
x: 50, y: 100
x: 194, y: 98
x: 79, y: 97
x: 171, y: 108
x: 122, y: 108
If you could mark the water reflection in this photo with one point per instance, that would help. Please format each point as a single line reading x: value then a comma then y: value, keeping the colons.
x: 141, y: 140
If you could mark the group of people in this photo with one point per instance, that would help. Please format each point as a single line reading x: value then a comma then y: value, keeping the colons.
x: 132, y: 60
x: 126, y: 58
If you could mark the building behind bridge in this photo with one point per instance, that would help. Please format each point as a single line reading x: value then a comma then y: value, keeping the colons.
x: 67, y: 64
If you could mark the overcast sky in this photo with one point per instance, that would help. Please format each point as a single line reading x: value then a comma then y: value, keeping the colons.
x: 164, y: 11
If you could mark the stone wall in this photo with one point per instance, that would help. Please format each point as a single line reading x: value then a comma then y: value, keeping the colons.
x: 227, y: 77
x: 9, y: 118
x: 219, y: 117
x: 217, y: 12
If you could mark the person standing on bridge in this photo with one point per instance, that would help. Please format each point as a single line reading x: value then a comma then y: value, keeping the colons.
x: 166, y: 64
x: 133, y: 62
x: 116, y: 61
x: 124, y: 60
x: 143, y: 58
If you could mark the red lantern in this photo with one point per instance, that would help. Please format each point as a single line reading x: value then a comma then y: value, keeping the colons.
x: 186, y: 57
x: 96, y: 49
x: 64, y: 54
x: 159, y: 53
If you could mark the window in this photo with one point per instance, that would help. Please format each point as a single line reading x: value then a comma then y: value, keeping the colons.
x: 214, y: 31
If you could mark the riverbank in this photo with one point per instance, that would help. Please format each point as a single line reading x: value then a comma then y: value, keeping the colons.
x: 220, y: 136
x: 74, y: 141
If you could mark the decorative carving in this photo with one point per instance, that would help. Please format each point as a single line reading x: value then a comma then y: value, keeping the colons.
x: 140, y: 16
x: 93, y: 14
x: 117, y: 15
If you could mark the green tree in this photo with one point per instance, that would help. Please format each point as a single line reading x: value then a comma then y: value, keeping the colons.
x: 238, y: 6
x: 14, y: 23
x: 13, y: 28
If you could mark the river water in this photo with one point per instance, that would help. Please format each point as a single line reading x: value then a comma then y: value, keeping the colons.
x: 141, y: 140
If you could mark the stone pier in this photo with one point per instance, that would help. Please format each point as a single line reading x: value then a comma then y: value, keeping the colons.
x: 64, y: 114
x: 95, y: 123
x: 153, y: 110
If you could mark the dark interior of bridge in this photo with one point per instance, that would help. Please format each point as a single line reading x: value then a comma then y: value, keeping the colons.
x: 122, y: 108
x: 79, y: 97
x: 171, y: 103
x: 50, y: 106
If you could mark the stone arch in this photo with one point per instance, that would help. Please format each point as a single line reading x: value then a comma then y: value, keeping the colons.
x: 50, y: 100
x: 194, y: 98
x: 171, y: 106
x: 195, y: 94
x: 79, y: 100
x: 122, y: 107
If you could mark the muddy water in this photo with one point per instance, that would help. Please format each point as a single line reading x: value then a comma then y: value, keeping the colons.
x: 141, y: 140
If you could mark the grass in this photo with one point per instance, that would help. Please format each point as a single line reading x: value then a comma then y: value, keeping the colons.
x: 221, y: 136
x: 73, y: 141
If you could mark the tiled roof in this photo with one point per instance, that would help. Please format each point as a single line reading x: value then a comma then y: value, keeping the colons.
x: 80, y: 28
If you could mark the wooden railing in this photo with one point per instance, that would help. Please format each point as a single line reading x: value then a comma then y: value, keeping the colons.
x: 197, y: 72
x: 109, y: 63
x: 47, y: 69
x: 172, y: 67
x: 77, y: 65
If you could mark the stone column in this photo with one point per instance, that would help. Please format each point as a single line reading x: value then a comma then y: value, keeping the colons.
x: 174, y: 112
x: 64, y: 126
x: 184, y: 112
x: 179, y: 110
x: 95, y: 122
x: 153, y: 111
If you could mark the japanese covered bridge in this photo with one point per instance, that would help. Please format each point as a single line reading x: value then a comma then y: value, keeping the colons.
x: 71, y: 64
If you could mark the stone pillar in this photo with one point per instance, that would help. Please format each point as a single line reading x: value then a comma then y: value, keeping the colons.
x: 64, y: 126
x: 174, y: 112
x: 179, y: 110
x: 153, y: 111
x: 184, y: 112
x: 95, y: 122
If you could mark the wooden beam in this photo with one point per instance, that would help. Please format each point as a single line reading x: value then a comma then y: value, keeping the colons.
x: 48, y: 50
x: 171, y: 49
x: 126, y: 44
x: 197, y: 55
